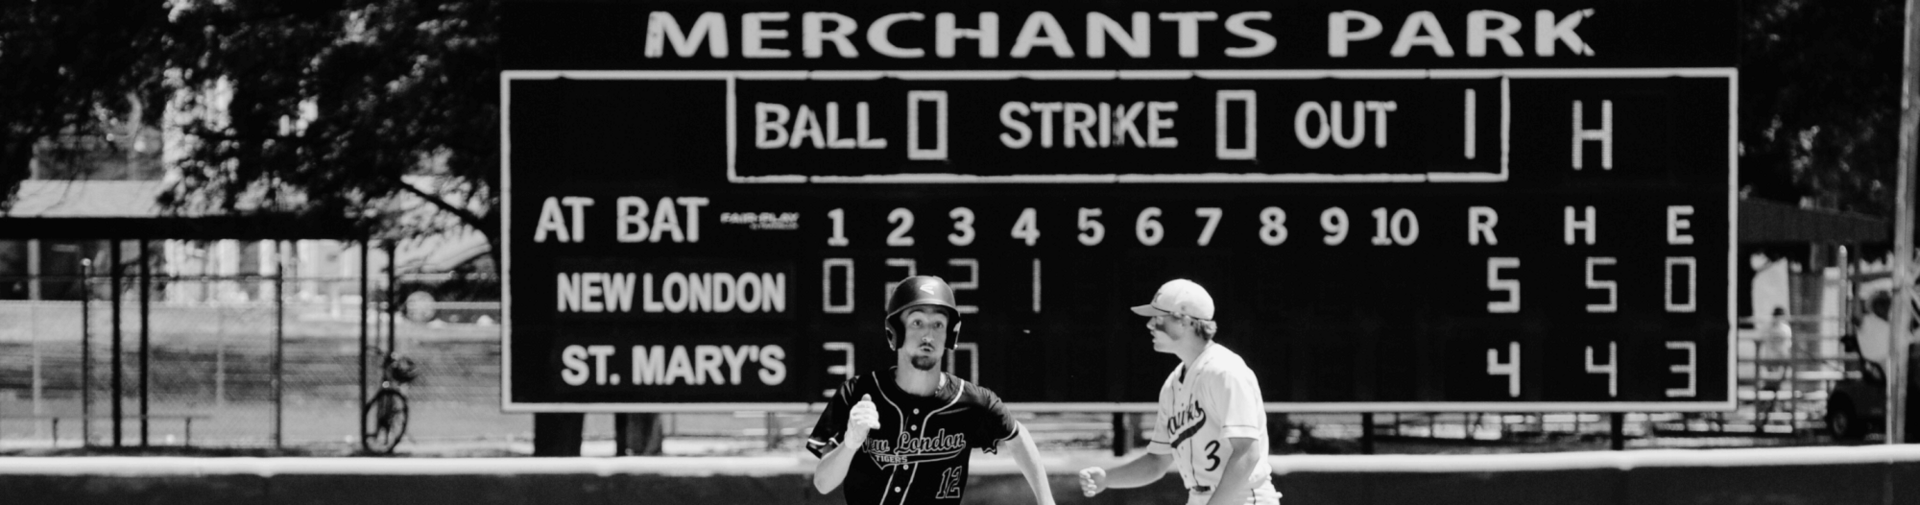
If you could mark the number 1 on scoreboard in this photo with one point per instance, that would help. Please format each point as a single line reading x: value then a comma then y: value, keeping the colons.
x: 839, y: 238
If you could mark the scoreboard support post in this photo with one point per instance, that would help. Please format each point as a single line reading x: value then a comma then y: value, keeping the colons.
x: 1366, y: 433
x: 1618, y: 431
x: 558, y: 433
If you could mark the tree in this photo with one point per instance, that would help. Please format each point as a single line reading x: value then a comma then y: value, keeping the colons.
x: 339, y: 108
x: 74, y: 68
x: 1819, y: 104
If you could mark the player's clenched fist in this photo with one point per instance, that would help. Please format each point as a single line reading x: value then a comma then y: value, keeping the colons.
x: 863, y: 417
x: 1093, y: 480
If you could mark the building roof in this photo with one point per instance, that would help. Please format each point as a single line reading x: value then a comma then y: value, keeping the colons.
x: 66, y: 199
x: 85, y: 210
x: 1768, y: 222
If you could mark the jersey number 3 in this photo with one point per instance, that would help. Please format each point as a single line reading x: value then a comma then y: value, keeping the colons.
x: 1213, y: 455
x: 949, y: 484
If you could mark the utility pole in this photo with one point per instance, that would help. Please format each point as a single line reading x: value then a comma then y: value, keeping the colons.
x: 1903, y: 238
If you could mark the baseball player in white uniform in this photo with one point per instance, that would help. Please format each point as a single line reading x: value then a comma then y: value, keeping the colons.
x: 1213, y: 423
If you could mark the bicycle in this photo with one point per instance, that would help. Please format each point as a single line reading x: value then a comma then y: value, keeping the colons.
x: 386, y: 412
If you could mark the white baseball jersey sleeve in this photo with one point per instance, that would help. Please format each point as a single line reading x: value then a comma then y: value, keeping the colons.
x: 1202, y: 406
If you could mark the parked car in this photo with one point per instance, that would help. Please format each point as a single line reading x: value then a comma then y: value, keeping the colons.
x: 1857, y: 405
x: 448, y: 278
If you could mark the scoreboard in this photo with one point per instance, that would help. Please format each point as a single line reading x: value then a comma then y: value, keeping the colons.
x: 1515, y: 206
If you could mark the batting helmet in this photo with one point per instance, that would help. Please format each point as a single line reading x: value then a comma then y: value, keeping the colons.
x: 916, y: 291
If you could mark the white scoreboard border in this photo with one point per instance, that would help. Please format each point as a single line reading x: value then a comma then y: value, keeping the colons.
x: 730, y: 77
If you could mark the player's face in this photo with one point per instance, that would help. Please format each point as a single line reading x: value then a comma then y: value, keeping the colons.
x: 926, y: 337
x: 1168, y: 331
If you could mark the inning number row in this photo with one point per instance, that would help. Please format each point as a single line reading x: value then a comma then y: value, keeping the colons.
x: 1392, y: 227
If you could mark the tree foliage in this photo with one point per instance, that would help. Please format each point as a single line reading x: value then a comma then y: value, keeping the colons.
x: 354, y: 108
x: 1819, y: 105
x: 74, y: 68
x: 326, y: 107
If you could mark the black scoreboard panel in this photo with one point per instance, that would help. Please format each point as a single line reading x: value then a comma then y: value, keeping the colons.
x: 758, y: 286
x: 689, y: 230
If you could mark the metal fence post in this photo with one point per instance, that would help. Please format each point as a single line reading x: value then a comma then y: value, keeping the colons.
x: 393, y: 283
x: 773, y: 429
x: 220, y: 361
x: 1619, y: 431
x: 279, y: 340
x: 113, y: 285
x: 86, y: 354
x: 146, y: 344
x: 39, y: 383
x: 1366, y: 433
x: 365, y: 303
x: 219, y: 352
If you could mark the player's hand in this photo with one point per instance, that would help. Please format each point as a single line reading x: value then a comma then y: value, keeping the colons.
x: 864, y: 416
x: 1093, y: 480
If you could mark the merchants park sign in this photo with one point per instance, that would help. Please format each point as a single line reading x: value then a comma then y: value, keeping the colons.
x: 1504, y: 206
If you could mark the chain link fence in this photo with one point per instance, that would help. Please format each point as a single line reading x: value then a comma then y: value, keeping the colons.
x: 241, y: 362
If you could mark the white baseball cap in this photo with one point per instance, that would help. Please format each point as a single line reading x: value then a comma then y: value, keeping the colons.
x: 1179, y: 296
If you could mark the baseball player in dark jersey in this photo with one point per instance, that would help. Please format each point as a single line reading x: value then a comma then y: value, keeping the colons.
x: 901, y: 435
x: 1213, y: 424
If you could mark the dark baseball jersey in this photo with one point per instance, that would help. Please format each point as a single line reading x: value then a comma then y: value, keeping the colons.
x: 919, y: 454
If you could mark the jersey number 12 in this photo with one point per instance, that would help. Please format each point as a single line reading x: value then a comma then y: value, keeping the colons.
x: 949, y: 484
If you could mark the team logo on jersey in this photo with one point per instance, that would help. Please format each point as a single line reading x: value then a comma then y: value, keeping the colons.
x: 910, y: 450
x: 1185, y: 423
